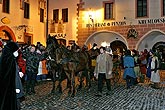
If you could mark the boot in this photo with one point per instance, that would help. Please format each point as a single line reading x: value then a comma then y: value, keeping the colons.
x: 28, y: 88
x: 142, y: 79
x: 108, y: 92
x: 99, y: 94
x: 32, y: 87
x: 136, y: 81
x: 33, y: 91
x: 156, y: 86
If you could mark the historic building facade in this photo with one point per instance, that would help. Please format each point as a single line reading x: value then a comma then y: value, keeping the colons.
x: 133, y: 24
x: 121, y: 24
x: 23, y: 21
x: 63, y: 20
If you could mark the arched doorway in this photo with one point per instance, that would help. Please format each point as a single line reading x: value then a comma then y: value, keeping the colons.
x: 7, y: 34
x: 112, y: 39
x: 118, y: 47
x: 155, y: 39
x: 160, y: 47
x: 150, y: 39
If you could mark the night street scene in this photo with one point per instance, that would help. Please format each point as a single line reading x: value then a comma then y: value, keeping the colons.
x: 82, y: 54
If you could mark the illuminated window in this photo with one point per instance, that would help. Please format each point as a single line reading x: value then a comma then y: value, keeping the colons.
x: 141, y: 8
x: 6, y: 6
x: 26, y: 10
x: 56, y: 15
x: 65, y: 15
x: 108, y: 11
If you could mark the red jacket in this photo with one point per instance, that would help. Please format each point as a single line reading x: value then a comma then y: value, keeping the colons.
x: 21, y: 63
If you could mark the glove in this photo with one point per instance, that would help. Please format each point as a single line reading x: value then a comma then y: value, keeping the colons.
x: 17, y: 90
x: 110, y: 72
x: 21, y: 74
x: 95, y: 74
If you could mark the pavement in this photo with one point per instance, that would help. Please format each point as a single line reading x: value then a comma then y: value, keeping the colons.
x: 141, y: 97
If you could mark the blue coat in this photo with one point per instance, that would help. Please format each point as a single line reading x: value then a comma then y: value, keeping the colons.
x: 128, y: 62
x: 149, y: 67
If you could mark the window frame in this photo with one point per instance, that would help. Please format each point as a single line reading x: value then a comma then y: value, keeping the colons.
x: 6, y: 6
x: 142, y: 8
x: 56, y: 15
x: 26, y: 8
x: 65, y: 15
x: 162, y: 8
x: 110, y: 2
x: 41, y: 15
x: 108, y: 13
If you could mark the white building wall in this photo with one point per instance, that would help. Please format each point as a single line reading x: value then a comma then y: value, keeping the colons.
x: 123, y: 8
x: 70, y: 28
x: 16, y: 17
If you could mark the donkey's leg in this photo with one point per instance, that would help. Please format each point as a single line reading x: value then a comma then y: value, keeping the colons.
x: 88, y: 80
x: 60, y: 79
x: 68, y: 82
x: 73, y: 84
x: 53, y: 80
x: 59, y: 86
x: 80, y: 76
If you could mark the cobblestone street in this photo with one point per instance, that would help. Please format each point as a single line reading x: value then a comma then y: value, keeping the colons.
x: 141, y: 97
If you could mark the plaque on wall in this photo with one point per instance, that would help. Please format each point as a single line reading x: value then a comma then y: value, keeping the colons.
x: 132, y: 33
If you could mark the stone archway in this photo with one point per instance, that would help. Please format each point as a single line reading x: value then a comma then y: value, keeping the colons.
x: 8, y: 32
x: 105, y: 36
x: 150, y: 39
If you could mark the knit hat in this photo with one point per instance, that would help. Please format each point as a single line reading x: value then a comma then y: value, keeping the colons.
x: 152, y: 51
x: 94, y: 44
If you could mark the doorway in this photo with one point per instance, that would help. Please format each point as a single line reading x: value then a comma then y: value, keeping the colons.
x: 118, y: 47
x: 28, y: 38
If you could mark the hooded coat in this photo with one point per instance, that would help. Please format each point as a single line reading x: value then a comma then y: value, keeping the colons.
x: 8, y: 77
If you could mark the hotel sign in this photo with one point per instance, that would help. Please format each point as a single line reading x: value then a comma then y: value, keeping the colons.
x: 107, y: 24
x: 152, y: 21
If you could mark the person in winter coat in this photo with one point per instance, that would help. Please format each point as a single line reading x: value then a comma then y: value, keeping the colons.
x: 11, y: 89
x: 103, y: 70
x: 32, y: 63
x: 137, y: 71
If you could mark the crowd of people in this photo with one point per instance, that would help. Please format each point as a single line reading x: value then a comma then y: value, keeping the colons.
x: 20, y: 63
x: 139, y: 67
